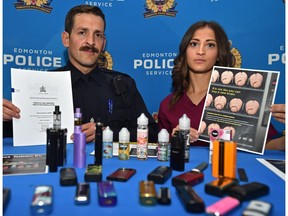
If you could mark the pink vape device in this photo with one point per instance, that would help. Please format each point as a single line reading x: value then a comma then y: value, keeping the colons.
x: 222, y: 206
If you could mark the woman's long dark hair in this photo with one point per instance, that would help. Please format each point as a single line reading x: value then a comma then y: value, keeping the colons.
x: 180, y: 72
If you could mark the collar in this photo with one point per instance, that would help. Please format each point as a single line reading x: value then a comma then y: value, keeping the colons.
x: 76, y: 74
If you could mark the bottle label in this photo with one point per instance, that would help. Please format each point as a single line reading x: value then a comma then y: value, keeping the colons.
x: 162, y: 154
x: 123, y: 151
x: 142, y: 143
x: 107, y: 149
x: 185, y: 134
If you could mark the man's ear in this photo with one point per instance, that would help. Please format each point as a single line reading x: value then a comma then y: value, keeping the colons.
x: 104, y: 44
x: 65, y: 39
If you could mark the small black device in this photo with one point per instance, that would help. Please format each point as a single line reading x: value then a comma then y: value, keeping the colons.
x: 242, y: 175
x: 6, y: 197
x: 121, y: 174
x: 164, y: 197
x: 190, y: 199
x: 93, y: 173
x: 68, y: 177
x: 118, y: 85
x: 248, y: 191
x: 82, y: 195
x: 220, y: 186
x: 42, y: 200
x: 257, y: 207
x: 192, y: 177
x: 177, y: 152
x: 160, y: 175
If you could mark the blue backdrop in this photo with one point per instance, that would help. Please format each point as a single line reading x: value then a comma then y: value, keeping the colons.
x: 143, y: 37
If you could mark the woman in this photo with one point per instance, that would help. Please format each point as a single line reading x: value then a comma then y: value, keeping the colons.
x: 204, y: 45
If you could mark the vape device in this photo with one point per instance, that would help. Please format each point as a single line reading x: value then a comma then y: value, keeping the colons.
x: 224, y: 159
x: 218, y: 134
x: 6, y: 197
x: 160, y: 175
x: 223, y: 206
x: 68, y: 177
x: 220, y: 186
x: 56, y: 148
x: 106, y: 193
x: 248, y: 191
x: 79, y: 152
x: 164, y: 197
x: 190, y: 199
x: 82, y: 195
x: 42, y: 200
x: 98, y: 143
x: 192, y: 177
x: 242, y: 175
x: 257, y: 207
x: 51, y: 149
x: 62, y: 147
x: 148, y: 195
x: 121, y: 174
x: 93, y: 173
x: 177, y: 152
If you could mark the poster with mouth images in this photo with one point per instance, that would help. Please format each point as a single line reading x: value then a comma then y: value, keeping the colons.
x: 239, y: 100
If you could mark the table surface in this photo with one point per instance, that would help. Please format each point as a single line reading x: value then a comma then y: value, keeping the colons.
x: 22, y: 187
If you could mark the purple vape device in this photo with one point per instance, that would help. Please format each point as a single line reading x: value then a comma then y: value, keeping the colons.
x: 79, y: 141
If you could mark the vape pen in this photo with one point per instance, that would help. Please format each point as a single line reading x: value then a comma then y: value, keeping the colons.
x: 192, y: 177
x: 79, y: 141
x: 98, y: 143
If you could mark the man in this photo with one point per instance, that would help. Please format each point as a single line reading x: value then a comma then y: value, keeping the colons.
x: 105, y: 95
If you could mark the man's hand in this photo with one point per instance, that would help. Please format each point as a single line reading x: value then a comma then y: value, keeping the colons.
x: 10, y: 111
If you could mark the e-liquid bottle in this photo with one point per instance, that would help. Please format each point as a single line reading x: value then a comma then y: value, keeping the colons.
x: 57, y: 118
x: 142, y: 137
x: 184, y: 129
x: 107, y: 143
x: 163, y: 145
x: 124, y: 144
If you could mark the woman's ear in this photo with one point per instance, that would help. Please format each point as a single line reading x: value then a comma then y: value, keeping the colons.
x: 65, y: 39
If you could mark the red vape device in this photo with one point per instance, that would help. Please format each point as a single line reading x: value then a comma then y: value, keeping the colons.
x: 192, y: 177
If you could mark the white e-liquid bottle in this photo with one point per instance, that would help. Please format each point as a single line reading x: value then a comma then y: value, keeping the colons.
x: 107, y: 142
x: 142, y: 137
x: 163, y: 145
x: 124, y: 144
x: 184, y: 129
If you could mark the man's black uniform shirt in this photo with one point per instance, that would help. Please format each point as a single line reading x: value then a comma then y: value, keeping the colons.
x: 115, y: 105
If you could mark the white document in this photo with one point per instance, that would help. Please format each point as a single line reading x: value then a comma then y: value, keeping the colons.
x: 37, y: 93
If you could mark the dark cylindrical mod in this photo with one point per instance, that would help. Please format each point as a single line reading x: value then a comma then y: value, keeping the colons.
x: 52, y: 146
x: 177, y: 154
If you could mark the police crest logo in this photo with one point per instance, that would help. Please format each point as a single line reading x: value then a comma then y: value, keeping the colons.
x: 160, y: 7
x: 42, y: 5
x: 105, y: 60
x: 238, y: 58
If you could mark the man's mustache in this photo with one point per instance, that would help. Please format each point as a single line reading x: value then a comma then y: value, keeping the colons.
x: 89, y: 48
